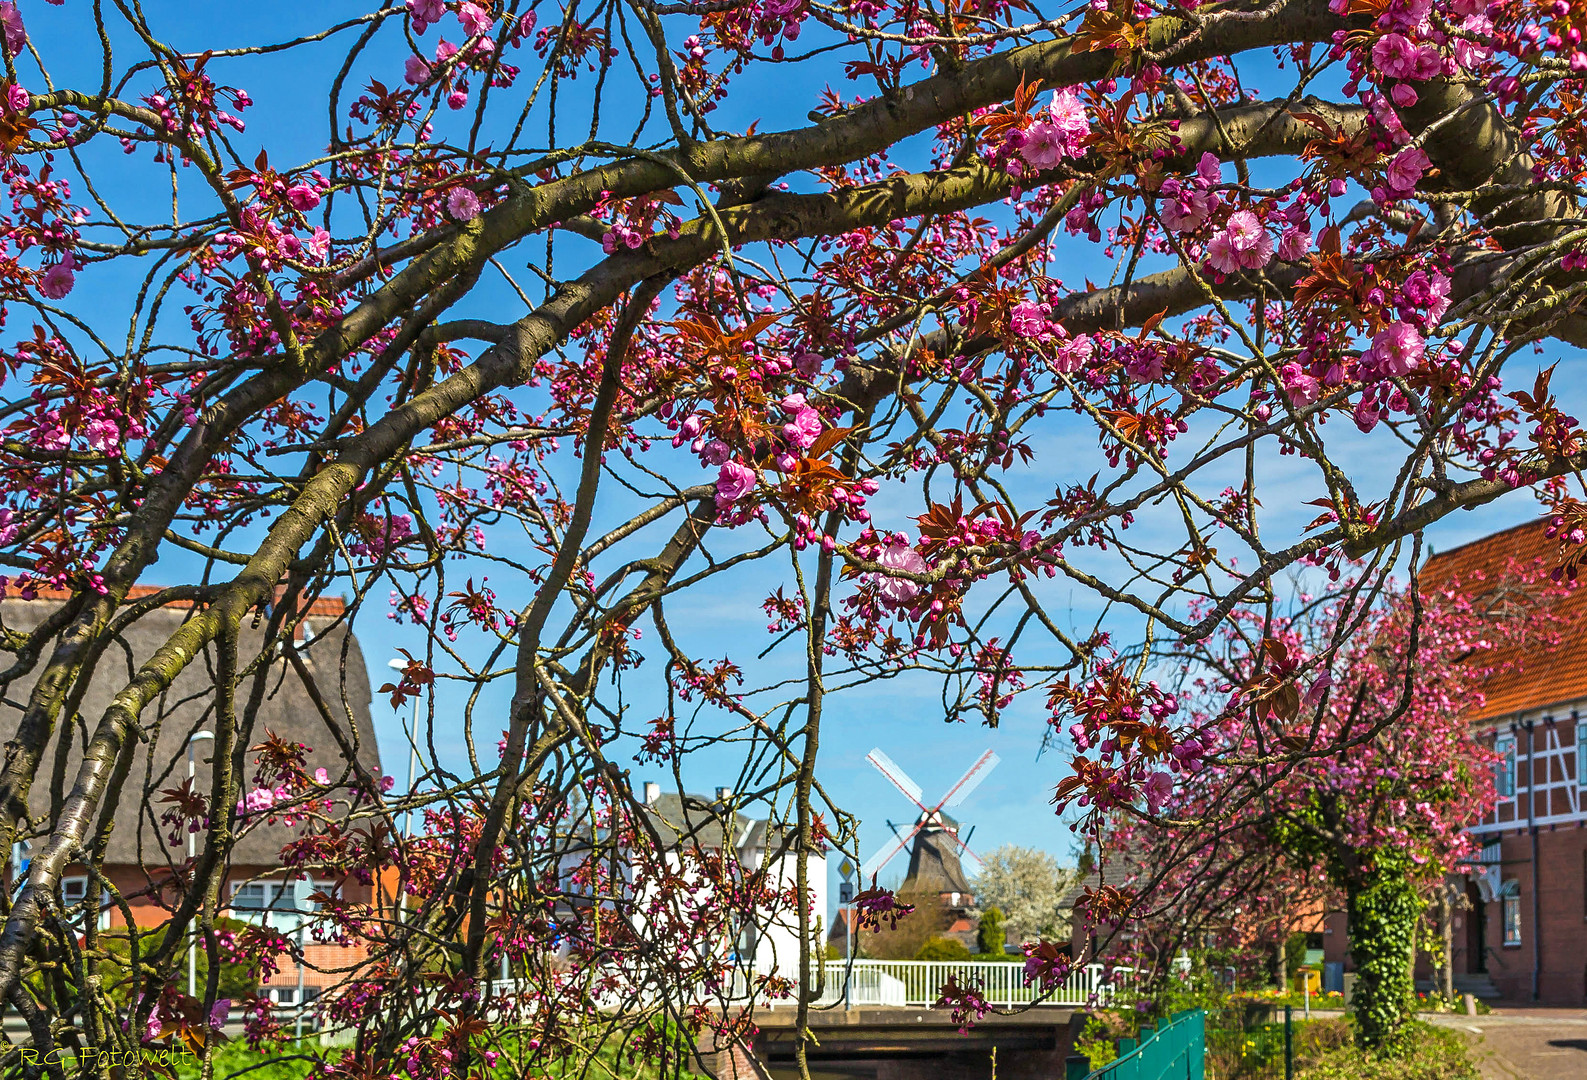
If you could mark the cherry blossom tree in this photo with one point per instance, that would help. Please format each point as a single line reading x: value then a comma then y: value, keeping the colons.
x: 1246, y: 839
x: 561, y: 320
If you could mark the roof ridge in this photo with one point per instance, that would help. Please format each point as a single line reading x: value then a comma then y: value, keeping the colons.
x: 322, y: 605
x: 1489, y: 538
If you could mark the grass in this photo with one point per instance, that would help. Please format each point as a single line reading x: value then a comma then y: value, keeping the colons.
x: 293, y: 1061
x: 1420, y: 1052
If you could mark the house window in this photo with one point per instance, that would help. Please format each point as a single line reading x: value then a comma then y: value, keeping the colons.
x: 1511, y: 895
x: 288, y: 995
x: 281, y: 905
x: 1581, y: 753
x: 74, y: 890
x: 1504, y: 768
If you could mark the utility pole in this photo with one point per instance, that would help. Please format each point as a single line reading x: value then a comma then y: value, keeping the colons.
x: 192, y: 853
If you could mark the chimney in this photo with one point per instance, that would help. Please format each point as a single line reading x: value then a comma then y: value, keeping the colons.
x: 652, y: 792
x: 723, y: 794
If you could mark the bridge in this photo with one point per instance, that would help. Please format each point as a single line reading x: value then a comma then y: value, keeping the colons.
x: 874, y: 1020
x: 902, y: 1044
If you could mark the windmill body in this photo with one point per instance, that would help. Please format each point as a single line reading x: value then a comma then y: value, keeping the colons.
x: 934, y: 863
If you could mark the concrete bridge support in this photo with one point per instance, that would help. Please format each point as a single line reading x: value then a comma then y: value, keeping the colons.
x: 903, y: 1044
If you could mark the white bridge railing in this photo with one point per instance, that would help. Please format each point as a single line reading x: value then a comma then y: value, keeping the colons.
x: 901, y: 983
x: 920, y: 983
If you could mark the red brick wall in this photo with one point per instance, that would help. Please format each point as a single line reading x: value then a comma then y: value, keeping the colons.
x: 1561, y: 953
x: 149, y: 910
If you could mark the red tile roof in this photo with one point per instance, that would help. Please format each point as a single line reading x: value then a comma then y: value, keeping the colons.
x: 325, y: 607
x: 1529, y: 678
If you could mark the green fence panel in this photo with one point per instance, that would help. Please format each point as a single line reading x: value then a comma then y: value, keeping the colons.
x: 1175, y: 1051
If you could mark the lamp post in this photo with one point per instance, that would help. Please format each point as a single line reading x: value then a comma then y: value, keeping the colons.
x: 411, y: 730
x: 192, y: 853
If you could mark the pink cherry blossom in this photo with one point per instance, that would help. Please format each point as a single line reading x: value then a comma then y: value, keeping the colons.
x: 1072, y: 355
x: 1395, y: 56
x: 303, y: 197
x: 1398, y: 348
x: 1157, y: 788
x: 475, y: 19
x: 1184, y: 209
x: 1294, y: 244
x: 319, y: 244
x: 59, y: 279
x: 803, y: 429
x: 1067, y: 114
x: 733, y: 482
x: 1243, y: 244
x: 424, y: 13
x: 1061, y: 134
x: 1472, y: 47
x: 1427, y: 292
x: 899, y: 556
x: 462, y: 204
x: 1406, y: 170
x: 1042, y: 146
x: 1209, y: 170
x: 1029, y: 320
x: 416, y: 71
x: 15, y: 37
x: 1301, y: 387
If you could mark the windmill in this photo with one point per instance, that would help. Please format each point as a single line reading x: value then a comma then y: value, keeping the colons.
x: 934, y: 864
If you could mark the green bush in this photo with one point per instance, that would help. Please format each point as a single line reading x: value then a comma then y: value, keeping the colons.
x: 941, y: 948
x: 1294, y: 955
x: 1417, y: 1051
x: 989, y: 935
x: 236, y: 981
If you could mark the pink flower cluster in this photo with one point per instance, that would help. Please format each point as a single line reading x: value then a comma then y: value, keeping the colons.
x: 1244, y: 244
x: 1059, y: 134
x: 1186, y: 207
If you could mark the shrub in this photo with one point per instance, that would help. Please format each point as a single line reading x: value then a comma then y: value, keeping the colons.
x: 236, y: 981
x: 1418, y: 1051
x: 989, y: 935
x: 941, y: 948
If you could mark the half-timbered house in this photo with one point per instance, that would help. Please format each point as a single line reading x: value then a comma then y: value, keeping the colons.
x: 1520, y: 931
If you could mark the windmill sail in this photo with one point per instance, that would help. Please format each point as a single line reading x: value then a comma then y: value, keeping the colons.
x: 934, y: 842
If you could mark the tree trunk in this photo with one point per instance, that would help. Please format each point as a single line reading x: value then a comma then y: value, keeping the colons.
x: 1446, y: 934
x: 1281, y: 965
x: 1383, y: 910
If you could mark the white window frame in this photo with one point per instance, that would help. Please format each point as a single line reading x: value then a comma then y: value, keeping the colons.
x: 1504, y: 768
x: 286, y: 906
x: 1510, y: 909
x: 74, y: 890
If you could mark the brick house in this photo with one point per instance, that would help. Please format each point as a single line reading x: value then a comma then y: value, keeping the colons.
x: 1522, y: 933
x: 140, y: 861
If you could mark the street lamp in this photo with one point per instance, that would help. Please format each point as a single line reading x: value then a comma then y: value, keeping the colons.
x: 192, y: 852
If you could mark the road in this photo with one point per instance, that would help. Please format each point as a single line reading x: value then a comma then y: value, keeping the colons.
x: 1525, y: 1044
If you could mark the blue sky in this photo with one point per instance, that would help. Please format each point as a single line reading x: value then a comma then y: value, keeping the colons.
x: 902, y: 716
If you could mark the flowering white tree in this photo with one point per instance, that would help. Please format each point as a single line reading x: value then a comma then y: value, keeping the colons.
x: 1026, y: 885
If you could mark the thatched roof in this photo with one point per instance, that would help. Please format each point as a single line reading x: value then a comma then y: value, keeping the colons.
x: 333, y: 657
